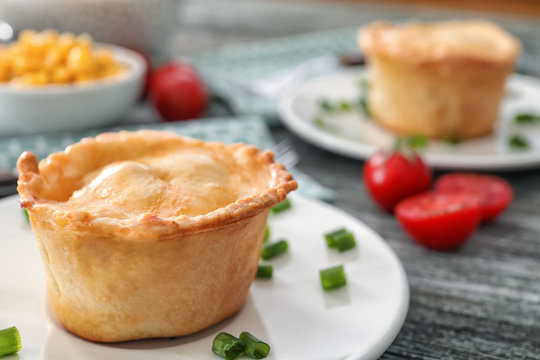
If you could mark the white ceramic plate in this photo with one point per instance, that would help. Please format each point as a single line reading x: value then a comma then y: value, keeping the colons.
x: 291, y: 312
x: 353, y: 135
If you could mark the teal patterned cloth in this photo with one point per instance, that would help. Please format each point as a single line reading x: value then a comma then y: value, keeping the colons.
x: 230, y: 71
x: 248, y: 129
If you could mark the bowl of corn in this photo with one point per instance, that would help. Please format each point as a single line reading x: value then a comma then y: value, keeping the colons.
x: 52, y: 82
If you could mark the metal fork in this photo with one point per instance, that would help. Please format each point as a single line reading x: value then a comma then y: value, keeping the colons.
x: 285, y: 154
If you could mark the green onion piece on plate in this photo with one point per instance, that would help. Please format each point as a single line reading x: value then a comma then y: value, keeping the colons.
x: 264, y: 271
x: 255, y: 348
x: 272, y: 250
x: 526, y: 118
x: 282, y: 206
x: 10, y: 341
x: 364, y: 107
x: 227, y: 346
x: 417, y: 142
x: 25, y: 213
x: 333, y: 278
x: 325, y: 105
x: 340, y: 239
x: 517, y: 142
x: 330, y: 237
x: 266, y: 234
x: 452, y: 139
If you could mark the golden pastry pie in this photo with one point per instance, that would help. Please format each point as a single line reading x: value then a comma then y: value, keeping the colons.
x: 148, y: 234
x: 438, y: 79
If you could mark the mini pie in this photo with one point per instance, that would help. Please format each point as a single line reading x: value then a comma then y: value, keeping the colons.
x: 438, y: 79
x: 147, y: 234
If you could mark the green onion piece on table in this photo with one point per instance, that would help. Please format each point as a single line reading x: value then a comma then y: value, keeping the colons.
x: 272, y: 250
x: 526, y: 118
x: 333, y: 278
x: 227, y: 346
x: 255, y: 348
x: 282, y: 206
x: 518, y: 142
x: 340, y: 239
x: 10, y: 341
x: 266, y: 234
x: 264, y: 271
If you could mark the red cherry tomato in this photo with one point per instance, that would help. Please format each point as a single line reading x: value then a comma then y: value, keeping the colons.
x: 390, y: 178
x: 177, y: 92
x: 495, y: 192
x: 440, y: 220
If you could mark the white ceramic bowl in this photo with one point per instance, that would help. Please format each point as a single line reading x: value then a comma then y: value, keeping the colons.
x: 53, y: 108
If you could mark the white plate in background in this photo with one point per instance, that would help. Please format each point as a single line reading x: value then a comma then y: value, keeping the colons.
x: 352, y: 134
x: 291, y: 312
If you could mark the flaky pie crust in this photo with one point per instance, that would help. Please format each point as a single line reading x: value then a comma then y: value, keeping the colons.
x: 64, y: 169
x: 114, y: 279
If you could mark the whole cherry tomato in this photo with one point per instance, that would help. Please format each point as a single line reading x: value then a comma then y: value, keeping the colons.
x: 496, y: 193
x: 391, y: 177
x: 177, y: 92
x: 440, y: 220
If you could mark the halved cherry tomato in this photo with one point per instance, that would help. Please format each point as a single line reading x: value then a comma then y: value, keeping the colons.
x: 440, y: 220
x: 392, y: 177
x: 496, y: 193
x: 177, y: 92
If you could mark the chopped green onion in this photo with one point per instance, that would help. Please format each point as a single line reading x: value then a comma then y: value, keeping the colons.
x: 264, y: 271
x: 333, y: 278
x: 417, y: 141
x: 345, y: 106
x: 272, y: 250
x: 318, y: 121
x: 255, y: 348
x: 526, y: 118
x: 266, y: 234
x: 452, y: 139
x: 364, y: 107
x: 518, y: 142
x: 332, y: 235
x: 340, y: 239
x: 10, y: 341
x: 282, y: 206
x: 25, y: 213
x: 227, y: 346
x: 326, y: 105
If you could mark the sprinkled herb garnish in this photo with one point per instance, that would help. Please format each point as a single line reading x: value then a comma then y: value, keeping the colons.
x: 227, y: 346
x: 282, y: 206
x: 417, y: 141
x: 526, y: 118
x: 327, y: 106
x: 333, y: 278
x: 10, y: 341
x: 518, y: 142
x: 264, y: 271
x: 272, y: 250
x: 452, y: 139
x: 340, y: 239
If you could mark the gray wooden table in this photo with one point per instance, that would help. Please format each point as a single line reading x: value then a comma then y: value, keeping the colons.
x: 481, y: 301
